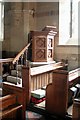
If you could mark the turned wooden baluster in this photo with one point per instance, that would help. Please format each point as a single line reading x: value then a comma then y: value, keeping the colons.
x: 22, y: 59
x: 26, y: 56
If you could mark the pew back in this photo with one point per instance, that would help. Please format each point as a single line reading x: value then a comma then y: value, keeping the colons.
x: 38, y: 77
x: 20, y: 96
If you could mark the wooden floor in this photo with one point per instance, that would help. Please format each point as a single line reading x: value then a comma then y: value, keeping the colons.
x: 42, y: 105
x: 37, y: 112
x: 34, y: 116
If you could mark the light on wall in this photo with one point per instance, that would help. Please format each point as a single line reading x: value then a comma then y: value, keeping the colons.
x: 1, y: 21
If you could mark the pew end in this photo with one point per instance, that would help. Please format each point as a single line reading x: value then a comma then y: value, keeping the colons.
x: 9, y: 109
x: 56, y: 94
x: 76, y: 109
x: 12, y: 102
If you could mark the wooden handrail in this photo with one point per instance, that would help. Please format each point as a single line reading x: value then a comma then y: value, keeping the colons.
x: 20, y: 53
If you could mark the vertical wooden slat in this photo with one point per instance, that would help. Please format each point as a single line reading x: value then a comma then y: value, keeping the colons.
x: 50, y: 77
x: 46, y: 79
x: 43, y: 80
x: 40, y: 81
x: 33, y: 81
x: 32, y: 84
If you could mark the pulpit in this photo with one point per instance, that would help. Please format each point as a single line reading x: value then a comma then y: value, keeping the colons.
x: 43, y: 45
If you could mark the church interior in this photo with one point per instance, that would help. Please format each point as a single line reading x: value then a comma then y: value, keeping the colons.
x: 39, y: 60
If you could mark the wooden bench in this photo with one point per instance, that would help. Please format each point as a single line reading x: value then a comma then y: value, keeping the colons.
x: 38, y: 77
x: 13, y: 101
x: 19, y: 94
x: 9, y: 109
x: 58, y: 82
x: 57, y: 93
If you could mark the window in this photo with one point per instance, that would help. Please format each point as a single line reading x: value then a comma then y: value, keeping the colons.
x: 68, y: 22
x: 1, y: 20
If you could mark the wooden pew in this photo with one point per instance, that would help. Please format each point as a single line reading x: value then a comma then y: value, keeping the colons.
x: 10, y: 90
x: 7, y: 100
x: 76, y: 109
x: 9, y: 109
x: 57, y: 93
x: 37, y: 77
x: 74, y: 77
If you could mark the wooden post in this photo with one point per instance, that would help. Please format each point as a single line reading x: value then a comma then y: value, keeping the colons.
x: 26, y: 78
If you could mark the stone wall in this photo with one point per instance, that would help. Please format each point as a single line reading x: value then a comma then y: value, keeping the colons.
x: 19, y: 21
x: 17, y: 25
x: 67, y: 52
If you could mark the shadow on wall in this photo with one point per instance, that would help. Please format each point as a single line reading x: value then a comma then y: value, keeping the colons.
x: 8, y: 54
x: 73, y: 62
